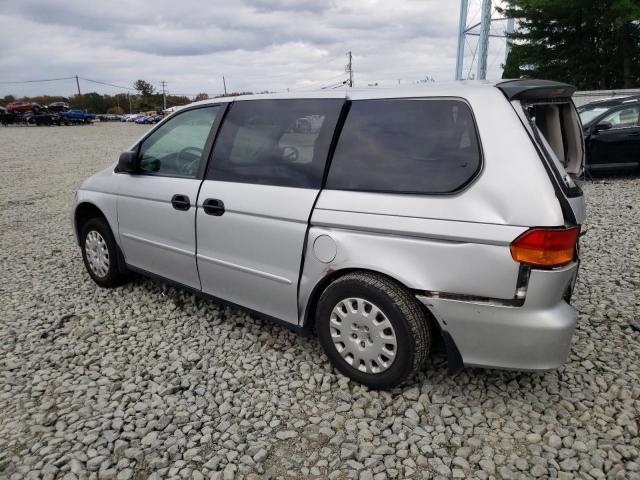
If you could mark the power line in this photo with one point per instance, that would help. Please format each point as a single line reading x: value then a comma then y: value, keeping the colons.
x: 108, y: 84
x: 335, y: 85
x: 38, y: 81
x: 313, y: 84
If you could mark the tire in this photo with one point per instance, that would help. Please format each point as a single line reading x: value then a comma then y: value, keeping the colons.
x: 100, y: 253
x: 345, y: 332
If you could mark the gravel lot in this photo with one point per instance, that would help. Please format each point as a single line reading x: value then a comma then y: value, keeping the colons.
x: 148, y: 381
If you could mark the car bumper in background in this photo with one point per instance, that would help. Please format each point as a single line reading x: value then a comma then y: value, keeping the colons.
x: 534, y: 336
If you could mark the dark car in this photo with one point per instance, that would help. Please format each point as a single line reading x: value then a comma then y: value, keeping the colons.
x: 611, y: 131
x: 43, y: 117
x: 58, y: 107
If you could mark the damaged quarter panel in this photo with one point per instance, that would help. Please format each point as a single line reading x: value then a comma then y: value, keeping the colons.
x: 422, y: 254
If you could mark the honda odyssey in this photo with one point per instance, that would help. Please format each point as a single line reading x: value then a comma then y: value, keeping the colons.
x: 378, y: 219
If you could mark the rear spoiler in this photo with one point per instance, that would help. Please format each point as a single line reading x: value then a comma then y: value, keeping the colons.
x: 531, y: 89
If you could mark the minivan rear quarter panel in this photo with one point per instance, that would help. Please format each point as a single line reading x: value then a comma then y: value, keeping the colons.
x: 454, y: 243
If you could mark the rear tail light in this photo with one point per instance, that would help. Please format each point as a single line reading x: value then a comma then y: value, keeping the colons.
x: 542, y: 247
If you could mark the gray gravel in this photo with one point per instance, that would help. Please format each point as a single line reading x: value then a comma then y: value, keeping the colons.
x: 148, y: 381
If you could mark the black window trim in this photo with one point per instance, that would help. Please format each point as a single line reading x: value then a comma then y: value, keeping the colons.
x: 206, y: 151
x: 465, y: 186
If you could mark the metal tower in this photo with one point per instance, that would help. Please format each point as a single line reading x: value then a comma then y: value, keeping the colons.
x: 482, y: 30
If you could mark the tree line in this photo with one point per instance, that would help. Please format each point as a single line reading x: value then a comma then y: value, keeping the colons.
x: 592, y: 45
x: 143, y: 98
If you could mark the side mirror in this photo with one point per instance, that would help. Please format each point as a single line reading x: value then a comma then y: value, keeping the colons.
x: 603, y: 126
x: 127, y: 163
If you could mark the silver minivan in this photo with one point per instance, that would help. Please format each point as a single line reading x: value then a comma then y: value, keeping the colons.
x: 379, y: 219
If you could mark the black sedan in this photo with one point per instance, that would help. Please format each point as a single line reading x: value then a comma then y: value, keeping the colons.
x: 611, y: 131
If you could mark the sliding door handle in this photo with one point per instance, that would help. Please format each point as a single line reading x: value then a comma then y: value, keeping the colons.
x: 181, y: 202
x: 212, y: 206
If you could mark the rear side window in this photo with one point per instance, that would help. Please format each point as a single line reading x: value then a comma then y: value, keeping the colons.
x: 406, y: 146
x: 275, y: 142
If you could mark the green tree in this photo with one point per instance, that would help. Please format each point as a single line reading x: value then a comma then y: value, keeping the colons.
x: 146, y: 100
x: 94, y: 102
x: 589, y: 44
x: 144, y: 87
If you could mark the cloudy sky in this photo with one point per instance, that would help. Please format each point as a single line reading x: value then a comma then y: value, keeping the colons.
x: 256, y: 44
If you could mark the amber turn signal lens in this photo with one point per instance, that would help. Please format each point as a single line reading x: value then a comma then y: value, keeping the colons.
x: 540, y: 247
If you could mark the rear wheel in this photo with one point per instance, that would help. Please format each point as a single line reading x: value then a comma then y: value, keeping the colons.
x: 100, y: 254
x: 372, y: 329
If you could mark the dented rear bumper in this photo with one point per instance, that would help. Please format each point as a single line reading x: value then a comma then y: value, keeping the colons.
x: 534, y: 336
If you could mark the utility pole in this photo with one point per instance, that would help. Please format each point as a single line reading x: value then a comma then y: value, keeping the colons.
x: 462, y: 26
x: 164, y: 95
x: 80, y: 99
x: 483, y: 41
x: 129, y: 98
x: 349, y: 69
x: 224, y: 83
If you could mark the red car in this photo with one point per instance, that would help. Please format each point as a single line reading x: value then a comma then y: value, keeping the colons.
x: 23, y: 107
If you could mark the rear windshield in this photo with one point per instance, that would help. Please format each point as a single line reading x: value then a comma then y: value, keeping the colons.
x: 426, y: 146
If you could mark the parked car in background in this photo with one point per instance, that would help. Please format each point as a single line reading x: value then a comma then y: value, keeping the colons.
x: 17, y: 107
x: 109, y: 117
x: 611, y: 131
x: 43, y: 118
x: 376, y: 218
x: 4, y: 116
x: 58, y: 107
x: 77, y: 117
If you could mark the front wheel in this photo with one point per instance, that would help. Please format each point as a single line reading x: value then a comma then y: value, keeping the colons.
x: 99, y: 253
x: 372, y: 329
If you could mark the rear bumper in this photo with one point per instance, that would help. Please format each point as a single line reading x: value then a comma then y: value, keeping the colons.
x: 534, y: 336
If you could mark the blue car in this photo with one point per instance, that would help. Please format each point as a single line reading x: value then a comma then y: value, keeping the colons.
x: 77, y: 117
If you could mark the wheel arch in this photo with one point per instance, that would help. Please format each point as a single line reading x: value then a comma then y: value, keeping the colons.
x: 85, y: 211
x: 322, y: 284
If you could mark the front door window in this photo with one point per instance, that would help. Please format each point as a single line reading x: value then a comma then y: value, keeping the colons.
x: 176, y: 148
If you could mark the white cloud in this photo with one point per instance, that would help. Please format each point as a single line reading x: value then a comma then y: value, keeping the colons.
x: 256, y: 44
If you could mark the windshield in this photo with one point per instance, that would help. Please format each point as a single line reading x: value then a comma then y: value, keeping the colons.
x: 589, y: 114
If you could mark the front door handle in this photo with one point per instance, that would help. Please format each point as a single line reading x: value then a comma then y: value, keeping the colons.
x: 181, y: 202
x: 212, y: 206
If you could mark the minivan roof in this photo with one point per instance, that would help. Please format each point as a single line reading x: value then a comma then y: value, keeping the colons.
x: 512, y: 89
